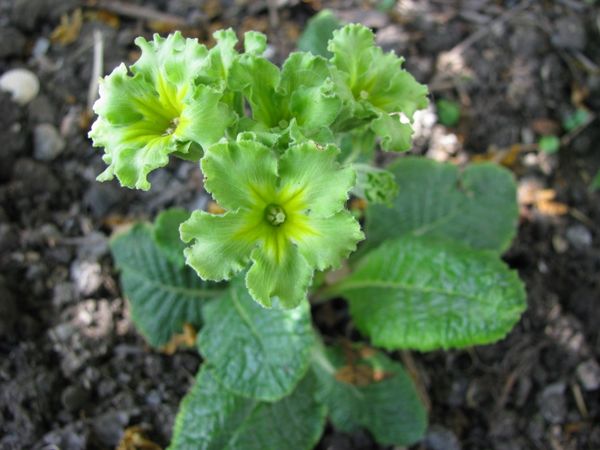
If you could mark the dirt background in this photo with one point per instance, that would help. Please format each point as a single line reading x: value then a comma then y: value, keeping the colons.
x: 73, y: 372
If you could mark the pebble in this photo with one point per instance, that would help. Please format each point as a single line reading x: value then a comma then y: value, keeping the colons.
x: 40, y: 110
x: 8, y: 312
x: 440, y: 438
x: 579, y: 236
x: 47, y: 142
x: 569, y: 33
x: 74, y: 397
x: 87, y: 276
x: 12, y: 42
x: 553, y: 404
x: 108, y: 428
x: 588, y: 374
x: 22, y: 84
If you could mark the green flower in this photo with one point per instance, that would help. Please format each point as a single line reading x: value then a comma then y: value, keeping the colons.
x: 284, y: 215
x: 374, y: 87
x: 159, y: 110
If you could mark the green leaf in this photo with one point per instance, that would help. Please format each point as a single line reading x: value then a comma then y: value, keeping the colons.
x: 549, y: 144
x: 375, y: 185
x: 576, y: 119
x: 213, y: 418
x: 448, y: 112
x: 166, y: 234
x: 163, y: 296
x: 318, y: 32
x: 428, y: 294
x: 596, y: 182
x: 254, y: 352
x: 380, y: 398
x: 477, y: 207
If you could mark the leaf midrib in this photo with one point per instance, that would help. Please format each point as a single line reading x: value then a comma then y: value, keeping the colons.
x: 348, y: 286
x: 188, y: 292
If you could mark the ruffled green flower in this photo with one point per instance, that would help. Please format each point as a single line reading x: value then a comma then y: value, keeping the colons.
x: 163, y: 107
x: 299, y: 101
x: 374, y: 87
x: 284, y: 215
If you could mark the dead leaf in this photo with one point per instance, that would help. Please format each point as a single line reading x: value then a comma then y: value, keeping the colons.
x: 110, y: 19
x: 357, y: 371
x: 359, y: 204
x: 544, y: 200
x: 508, y: 157
x: 68, y: 30
x: 185, y: 339
x: 546, y: 127
x: 134, y: 439
x: 214, y: 208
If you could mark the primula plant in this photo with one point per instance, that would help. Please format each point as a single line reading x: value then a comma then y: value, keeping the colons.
x: 283, y: 151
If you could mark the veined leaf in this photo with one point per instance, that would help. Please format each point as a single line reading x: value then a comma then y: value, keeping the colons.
x: 166, y: 234
x: 477, y: 207
x: 427, y: 294
x: 213, y: 418
x: 252, y: 351
x: 384, y: 402
x: 318, y: 32
x: 163, y: 295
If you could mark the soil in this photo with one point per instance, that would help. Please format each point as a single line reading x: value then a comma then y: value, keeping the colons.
x: 74, y: 374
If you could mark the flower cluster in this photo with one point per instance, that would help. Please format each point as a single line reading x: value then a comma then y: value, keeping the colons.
x: 273, y: 167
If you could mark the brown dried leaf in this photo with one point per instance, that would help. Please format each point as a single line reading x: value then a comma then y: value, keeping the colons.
x: 185, y: 339
x: 134, y: 439
x: 546, y: 127
x: 110, y: 19
x: 552, y: 208
x: 508, y: 157
x: 68, y: 30
x: 214, y: 208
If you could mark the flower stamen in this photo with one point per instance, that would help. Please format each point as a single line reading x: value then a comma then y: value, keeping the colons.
x: 275, y: 215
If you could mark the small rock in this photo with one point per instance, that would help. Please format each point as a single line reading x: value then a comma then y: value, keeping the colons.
x: 47, y: 142
x: 41, y: 110
x: 71, y: 437
x: 440, y: 438
x: 569, y: 33
x: 101, y: 197
x: 9, y: 313
x: 22, y: 84
x: 87, y: 276
x: 9, y: 239
x: 40, y: 48
x: 63, y: 293
x: 74, y: 397
x: 588, y: 374
x: 12, y: 42
x: 93, y: 246
x: 108, y: 428
x: 579, y: 236
x: 553, y: 404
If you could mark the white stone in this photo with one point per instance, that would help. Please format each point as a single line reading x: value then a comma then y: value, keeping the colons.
x: 22, y: 84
